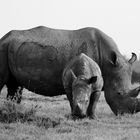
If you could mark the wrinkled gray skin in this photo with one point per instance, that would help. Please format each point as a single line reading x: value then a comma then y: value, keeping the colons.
x: 83, y: 82
x: 35, y: 59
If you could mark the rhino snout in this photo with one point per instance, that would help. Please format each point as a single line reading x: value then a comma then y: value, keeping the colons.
x: 80, y: 109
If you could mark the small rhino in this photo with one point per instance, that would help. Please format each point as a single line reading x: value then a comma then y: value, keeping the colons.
x: 83, y: 82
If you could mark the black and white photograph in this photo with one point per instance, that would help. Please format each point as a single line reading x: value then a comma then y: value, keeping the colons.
x: 69, y: 70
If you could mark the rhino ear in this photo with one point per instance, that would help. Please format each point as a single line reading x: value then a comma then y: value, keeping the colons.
x: 114, y: 59
x: 133, y: 58
x: 91, y: 80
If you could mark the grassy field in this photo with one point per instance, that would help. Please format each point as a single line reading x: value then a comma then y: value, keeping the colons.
x: 44, y: 118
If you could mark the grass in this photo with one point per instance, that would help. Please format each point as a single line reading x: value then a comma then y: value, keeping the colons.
x: 44, y: 118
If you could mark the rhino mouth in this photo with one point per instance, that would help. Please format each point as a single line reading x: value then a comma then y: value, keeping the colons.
x: 134, y: 92
x: 125, y: 103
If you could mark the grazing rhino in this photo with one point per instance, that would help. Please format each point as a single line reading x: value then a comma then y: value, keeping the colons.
x: 35, y: 59
x: 83, y: 82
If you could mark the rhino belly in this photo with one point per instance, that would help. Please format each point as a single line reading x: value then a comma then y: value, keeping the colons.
x: 37, y: 68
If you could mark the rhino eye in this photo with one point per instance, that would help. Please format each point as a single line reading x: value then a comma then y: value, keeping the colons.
x: 86, y: 101
x: 119, y: 93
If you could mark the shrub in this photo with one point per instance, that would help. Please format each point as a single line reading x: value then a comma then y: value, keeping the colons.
x: 11, y: 112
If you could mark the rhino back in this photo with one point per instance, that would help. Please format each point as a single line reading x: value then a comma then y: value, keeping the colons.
x: 94, y: 70
x: 91, y: 68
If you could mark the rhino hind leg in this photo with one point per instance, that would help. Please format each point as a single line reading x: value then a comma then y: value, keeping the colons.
x: 92, y: 105
x: 14, y: 90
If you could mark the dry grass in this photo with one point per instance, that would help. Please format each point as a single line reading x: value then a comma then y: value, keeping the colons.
x: 44, y: 118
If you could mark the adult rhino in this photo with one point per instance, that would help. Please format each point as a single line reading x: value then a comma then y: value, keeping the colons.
x: 35, y: 59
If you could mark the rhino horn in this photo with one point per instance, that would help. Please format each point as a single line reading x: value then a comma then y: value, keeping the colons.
x: 126, y: 103
x: 131, y: 105
x: 133, y: 58
x: 135, y: 92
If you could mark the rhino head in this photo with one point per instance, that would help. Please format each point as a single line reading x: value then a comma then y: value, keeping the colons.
x: 119, y: 94
x: 81, y: 93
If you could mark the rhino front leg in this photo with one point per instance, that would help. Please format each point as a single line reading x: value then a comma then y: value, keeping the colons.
x: 70, y: 98
x: 92, y: 104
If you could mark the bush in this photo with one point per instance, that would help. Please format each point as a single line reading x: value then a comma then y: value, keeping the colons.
x: 11, y: 112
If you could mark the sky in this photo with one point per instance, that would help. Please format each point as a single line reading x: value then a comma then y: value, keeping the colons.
x: 120, y: 19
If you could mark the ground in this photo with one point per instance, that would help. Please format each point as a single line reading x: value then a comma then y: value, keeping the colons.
x: 48, y: 118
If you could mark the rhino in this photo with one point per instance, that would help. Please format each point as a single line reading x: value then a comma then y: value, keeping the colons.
x: 35, y: 59
x: 83, y: 82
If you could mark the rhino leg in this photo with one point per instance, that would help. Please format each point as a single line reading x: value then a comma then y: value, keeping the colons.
x: 69, y: 96
x: 14, y: 90
x: 92, y: 105
x: 18, y: 94
x: 4, y: 69
x: 11, y: 92
x: 2, y: 83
